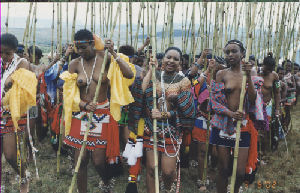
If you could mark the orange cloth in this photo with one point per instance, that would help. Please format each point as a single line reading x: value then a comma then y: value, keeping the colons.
x: 99, y: 45
x: 252, y: 154
x: 135, y: 170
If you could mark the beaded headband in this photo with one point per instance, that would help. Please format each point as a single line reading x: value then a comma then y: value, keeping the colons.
x: 83, y: 41
x: 240, y: 44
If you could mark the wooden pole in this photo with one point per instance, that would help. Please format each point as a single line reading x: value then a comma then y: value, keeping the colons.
x: 192, y: 49
x: 138, y: 26
x: 86, y: 14
x: 60, y: 29
x: 270, y: 28
x: 207, y: 134
x: 171, y: 24
x: 119, y: 28
x: 260, y: 30
x: 94, y: 101
x: 92, y: 17
x: 185, y: 34
x: 199, y: 33
x: 130, y: 21
x: 167, y: 27
x: 206, y: 25
x: 27, y: 23
x: 162, y: 47
x: 154, y: 102
x: 74, y: 22
x: 67, y: 18
x: 144, y: 24
x: 216, y: 28
x: 34, y: 32
x: 293, y: 30
x: 31, y: 26
x: 103, y: 19
x: 234, y: 21
x: 226, y: 15
x: 182, y: 26
x: 220, y: 42
x: 278, y: 49
x: 156, y: 23
x: 7, y: 16
x: 100, y: 19
x: 127, y: 7
x: 57, y: 28
x: 242, y: 95
x: 73, y: 27
x: 61, y: 126
x: 34, y: 62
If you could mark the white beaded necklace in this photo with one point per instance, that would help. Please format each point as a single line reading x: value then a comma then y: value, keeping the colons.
x: 88, y: 80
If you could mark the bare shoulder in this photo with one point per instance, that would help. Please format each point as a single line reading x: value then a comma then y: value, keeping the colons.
x: 185, y: 84
x: 24, y: 64
x: 73, y: 67
x: 275, y: 75
x: 221, y: 74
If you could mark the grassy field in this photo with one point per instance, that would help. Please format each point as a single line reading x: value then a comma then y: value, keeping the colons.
x: 282, y: 171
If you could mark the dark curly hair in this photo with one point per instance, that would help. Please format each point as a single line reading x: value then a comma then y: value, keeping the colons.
x: 269, y: 61
x: 38, y: 52
x: 9, y: 40
x: 237, y: 42
x: 176, y: 49
x: 83, y: 34
x: 128, y: 50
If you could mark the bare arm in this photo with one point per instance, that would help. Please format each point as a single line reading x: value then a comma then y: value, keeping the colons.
x: 124, y: 67
x: 251, y: 90
x: 283, y: 91
x: 147, y: 42
x: 148, y: 76
x: 276, y: 91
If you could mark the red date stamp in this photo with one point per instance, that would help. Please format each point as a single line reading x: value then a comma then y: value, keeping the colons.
x: 263, y: 184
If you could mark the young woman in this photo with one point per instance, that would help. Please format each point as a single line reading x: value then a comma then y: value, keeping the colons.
x: 270, y: 92
x: 291, y: 91
x: 175, y: 112
x: 13, y: 73
x: 225, y: 102
x: 103, y: 139
x: 200, y: 92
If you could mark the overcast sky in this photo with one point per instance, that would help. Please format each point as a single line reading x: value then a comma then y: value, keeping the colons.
x: 19, y: 11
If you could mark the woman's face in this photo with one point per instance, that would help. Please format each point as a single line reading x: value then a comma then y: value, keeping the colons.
x: 85, y: 50
x: 37, y: 59
x: 233, y: 54
x: 7, y: 54
x: 281, y: 74
x: 288, y: 66
x: 266, y: 69
x: 171, y: 61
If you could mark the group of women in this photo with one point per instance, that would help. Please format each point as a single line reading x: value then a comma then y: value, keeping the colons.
x: 186, y: 99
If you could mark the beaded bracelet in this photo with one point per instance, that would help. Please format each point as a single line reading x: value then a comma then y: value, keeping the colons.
x: 164, y: 115
x: 84, y: 107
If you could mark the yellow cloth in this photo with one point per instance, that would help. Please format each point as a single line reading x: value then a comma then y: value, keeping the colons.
x: 119, y: 87
x: 71, y: 94
x: 22, y: 94
x: 140, y: 131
